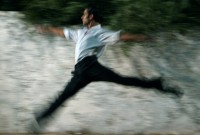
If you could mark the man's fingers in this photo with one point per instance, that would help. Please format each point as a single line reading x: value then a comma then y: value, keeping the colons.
x: 41, y: 29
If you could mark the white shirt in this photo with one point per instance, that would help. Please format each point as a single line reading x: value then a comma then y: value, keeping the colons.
x: 91, y: 41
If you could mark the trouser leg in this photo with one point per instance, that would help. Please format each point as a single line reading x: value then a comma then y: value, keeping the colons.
x: 99, y: 72
x: 102, y: 73
x: 76, y: 83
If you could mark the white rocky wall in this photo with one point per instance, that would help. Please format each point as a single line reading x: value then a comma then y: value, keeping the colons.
x: 34, y: 68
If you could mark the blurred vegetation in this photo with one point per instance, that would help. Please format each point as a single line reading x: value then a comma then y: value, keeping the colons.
x: 130, y: 15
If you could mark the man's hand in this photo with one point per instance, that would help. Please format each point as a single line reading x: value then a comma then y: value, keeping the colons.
x: 42, y: 29
x: 135, y: 37
x: 50, y: 30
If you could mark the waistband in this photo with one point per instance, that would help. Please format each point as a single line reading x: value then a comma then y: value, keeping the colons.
x: 85, y: 63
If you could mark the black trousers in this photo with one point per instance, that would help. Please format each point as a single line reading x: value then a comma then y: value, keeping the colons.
x: 90, y: 70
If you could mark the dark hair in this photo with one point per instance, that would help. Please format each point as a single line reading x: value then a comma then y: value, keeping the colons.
x: 96, y: 13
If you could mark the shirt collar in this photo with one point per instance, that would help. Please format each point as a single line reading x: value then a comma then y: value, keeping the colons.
x: 94, y: 27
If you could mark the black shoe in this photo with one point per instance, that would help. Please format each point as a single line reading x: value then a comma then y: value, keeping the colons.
x: 34, y: 127
x: 38, y: 123
x: 173, y: 90
x: 160, y: 84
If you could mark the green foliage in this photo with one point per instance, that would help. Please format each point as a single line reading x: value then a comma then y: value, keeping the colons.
x: 130, y: 15
x: 54, y: 12
x: 11, y: 5
x: 145, y: 15
x: 63, y: 12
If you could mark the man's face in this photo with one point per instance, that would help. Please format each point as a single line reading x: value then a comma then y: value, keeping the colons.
x: 85, y: 17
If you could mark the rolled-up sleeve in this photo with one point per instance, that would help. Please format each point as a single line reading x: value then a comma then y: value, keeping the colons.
x: 110, y: 37
x: 71, y: 34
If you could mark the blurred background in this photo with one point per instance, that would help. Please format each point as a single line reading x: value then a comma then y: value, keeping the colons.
x: 131, y: 15
x: 34, y: 68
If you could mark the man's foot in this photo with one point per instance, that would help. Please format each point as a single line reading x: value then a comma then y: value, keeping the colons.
x: 159, y: 84
x: 38, y: 123
x: 173, y: 90
x: 34, y: 126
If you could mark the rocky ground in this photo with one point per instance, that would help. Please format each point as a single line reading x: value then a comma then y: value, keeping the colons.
x: 34, y: 69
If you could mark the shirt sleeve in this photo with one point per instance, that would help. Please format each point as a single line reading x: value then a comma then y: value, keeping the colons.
x: 71, y: 34
x: 110, y: 37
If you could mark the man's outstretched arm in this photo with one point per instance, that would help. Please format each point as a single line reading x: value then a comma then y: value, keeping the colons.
x: 50, y: 30
x: 134, y: 37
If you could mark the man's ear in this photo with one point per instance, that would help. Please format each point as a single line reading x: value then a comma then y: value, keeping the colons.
x: 91, y: 16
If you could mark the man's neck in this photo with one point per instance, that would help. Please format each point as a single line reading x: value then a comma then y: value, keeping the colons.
x: 92, y: 24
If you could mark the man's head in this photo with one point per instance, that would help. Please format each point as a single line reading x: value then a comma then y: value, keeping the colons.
x: 91, y: 14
